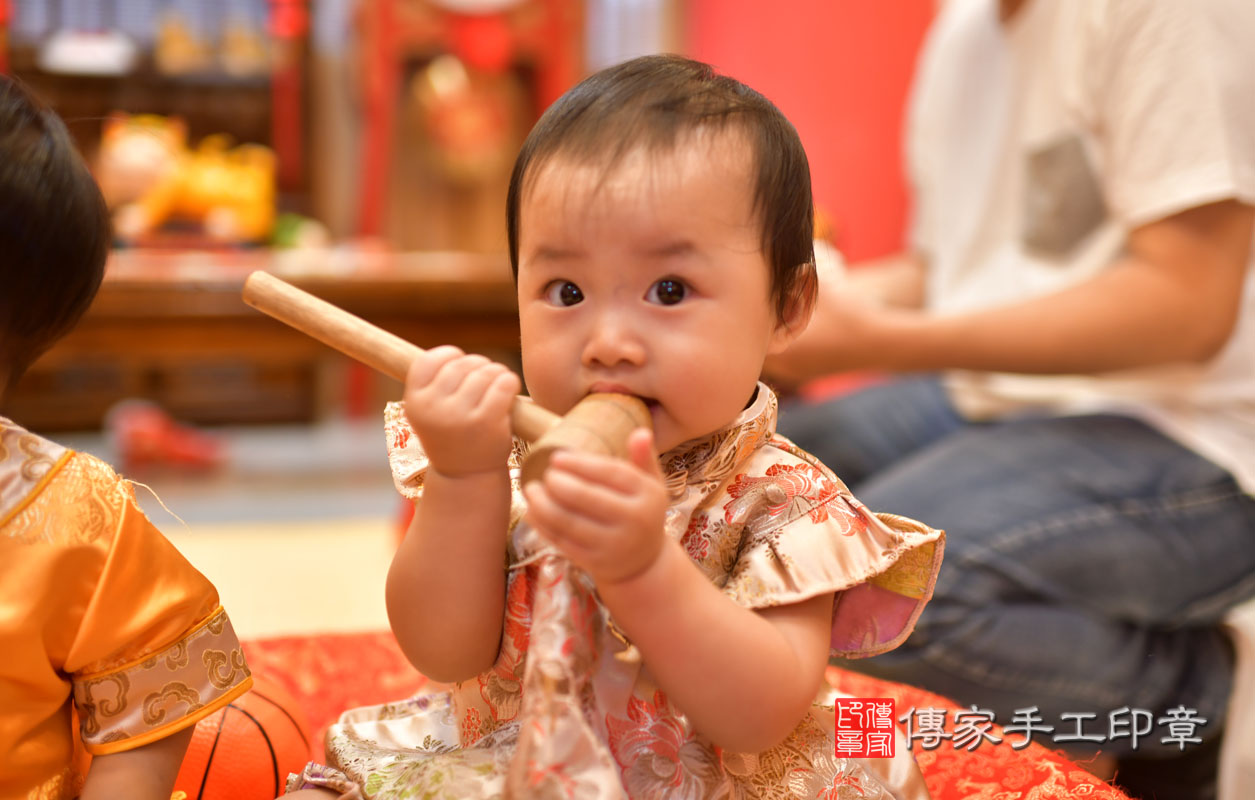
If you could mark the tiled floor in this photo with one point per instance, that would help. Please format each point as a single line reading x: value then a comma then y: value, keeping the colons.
x: 296, y: 529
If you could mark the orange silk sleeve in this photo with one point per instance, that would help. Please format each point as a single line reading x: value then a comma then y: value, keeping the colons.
x: 148, y: 648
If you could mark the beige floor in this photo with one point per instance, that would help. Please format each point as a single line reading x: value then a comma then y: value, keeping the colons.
x: 300, y: 577
x: 296, y: 529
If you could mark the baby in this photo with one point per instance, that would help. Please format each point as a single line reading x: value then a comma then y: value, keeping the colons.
x: 657, y: 626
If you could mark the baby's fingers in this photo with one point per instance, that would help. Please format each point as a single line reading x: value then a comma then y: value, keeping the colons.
x: 641, y: 452
x: 592, y: 501
x: 559, y: 524
x: 484, y: 387
x: 625, y: 476
x: 427, y: 363
x: 453, y: 376
x: 502, y: 391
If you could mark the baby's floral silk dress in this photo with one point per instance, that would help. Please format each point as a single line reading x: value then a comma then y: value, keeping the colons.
x: 570, y: 711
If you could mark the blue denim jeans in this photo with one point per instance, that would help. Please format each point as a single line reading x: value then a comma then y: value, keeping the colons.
x: 1088, y: 558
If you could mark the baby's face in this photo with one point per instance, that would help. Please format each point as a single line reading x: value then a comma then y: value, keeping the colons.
x: 648, y: 280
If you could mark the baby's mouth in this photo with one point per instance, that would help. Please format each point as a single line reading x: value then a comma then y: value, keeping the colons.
x: 652, y: 406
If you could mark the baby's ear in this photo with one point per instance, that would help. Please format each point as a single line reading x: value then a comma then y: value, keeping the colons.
x: 796, y: 314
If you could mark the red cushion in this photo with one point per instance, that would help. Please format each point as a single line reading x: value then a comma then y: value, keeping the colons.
x: 330, y: 673
x: 988, y: 770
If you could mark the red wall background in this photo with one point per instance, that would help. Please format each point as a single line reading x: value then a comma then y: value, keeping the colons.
x: 840, y: 70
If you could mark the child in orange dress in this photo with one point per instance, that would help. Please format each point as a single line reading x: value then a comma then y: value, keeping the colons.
x: 113, y: 645
x: 657, y: 626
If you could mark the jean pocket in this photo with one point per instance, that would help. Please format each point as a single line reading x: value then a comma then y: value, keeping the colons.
x: 1063, y: 202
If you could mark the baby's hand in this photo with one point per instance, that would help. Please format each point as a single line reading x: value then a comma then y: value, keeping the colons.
x: 459, y: 405
x: 605, y: 514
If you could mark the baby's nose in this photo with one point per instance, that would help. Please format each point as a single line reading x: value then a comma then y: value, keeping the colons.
x: 613, y: 340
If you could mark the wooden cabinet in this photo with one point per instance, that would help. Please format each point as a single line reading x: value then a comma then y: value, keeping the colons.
x: 171, y: 327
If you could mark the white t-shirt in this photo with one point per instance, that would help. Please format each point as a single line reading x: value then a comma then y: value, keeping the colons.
x: 1035, y: 146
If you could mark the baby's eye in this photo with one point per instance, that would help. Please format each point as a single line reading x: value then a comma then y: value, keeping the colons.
x: 563, y: 293
x: 667, y: 292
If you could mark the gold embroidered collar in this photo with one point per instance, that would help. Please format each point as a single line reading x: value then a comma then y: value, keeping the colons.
x: 714, y: 457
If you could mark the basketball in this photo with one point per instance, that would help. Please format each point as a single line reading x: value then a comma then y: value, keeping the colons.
x: 246, y: 749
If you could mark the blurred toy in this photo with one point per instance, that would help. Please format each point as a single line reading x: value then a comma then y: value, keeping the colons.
x: 243, y: 51
x: 179, y: 49
x: 149, y: 177
x: 247, y: 749
x: 143, y: 435
x: 136, y: 153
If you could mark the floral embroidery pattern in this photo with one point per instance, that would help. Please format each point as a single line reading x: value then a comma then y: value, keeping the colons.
x: 696, y: 541
x: 472, y: 727
x: 784, y: 490
x: 658, y: 755
x: 401, y: 438
x: 501, y: 688
x: 713, y: 458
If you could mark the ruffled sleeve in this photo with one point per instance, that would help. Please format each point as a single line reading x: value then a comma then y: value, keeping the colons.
x: 148, y: 649
x: 803, y: 534
x: 408, y: 462
x: 406, y: 456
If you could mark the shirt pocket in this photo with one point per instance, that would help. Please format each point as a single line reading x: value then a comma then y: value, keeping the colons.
x: 1063, y: 202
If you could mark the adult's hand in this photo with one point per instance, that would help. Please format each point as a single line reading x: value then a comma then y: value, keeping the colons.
x: 831, y: 342
x: 850, y: 305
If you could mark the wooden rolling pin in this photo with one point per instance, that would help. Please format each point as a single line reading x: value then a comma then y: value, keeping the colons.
x: 600, y: 423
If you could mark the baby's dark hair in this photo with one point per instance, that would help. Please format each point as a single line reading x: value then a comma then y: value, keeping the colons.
x: 654, y: 101
x: 54, y: 230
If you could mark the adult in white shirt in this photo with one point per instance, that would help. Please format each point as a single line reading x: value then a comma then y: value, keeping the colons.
x: 1079, y: 282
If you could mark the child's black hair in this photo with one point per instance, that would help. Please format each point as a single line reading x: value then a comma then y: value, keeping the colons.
x: 653, y: 101
x: 54, y: 231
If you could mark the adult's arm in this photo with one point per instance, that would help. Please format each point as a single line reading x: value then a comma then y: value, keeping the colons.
x: 1173, y: 296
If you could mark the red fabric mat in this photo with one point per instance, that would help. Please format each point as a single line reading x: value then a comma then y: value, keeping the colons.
x: 331, y: 673
x: 334, y: 672
x: 990, y: 771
